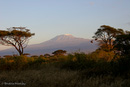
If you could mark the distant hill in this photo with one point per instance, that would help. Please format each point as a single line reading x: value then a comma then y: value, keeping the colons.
x: 65, y: 42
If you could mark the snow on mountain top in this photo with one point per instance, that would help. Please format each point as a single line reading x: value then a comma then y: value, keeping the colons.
x: 68, y: 34
x: 67, y: 37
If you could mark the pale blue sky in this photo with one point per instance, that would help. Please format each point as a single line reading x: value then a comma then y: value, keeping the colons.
x: 48, y: 18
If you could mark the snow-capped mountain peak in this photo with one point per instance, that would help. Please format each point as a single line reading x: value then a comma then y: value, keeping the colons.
x: 63, y: 37
x: 68, y: 34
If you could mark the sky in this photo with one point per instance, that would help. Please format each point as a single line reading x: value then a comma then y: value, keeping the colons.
x: 49, y: 18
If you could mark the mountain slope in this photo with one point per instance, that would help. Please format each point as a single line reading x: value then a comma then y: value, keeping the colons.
x: 66, y: 42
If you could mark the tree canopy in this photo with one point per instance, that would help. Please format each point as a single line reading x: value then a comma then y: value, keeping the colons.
x: 122, y: 43
x: 59, y: 52
x: 18, y: 37
x: 105, y: 35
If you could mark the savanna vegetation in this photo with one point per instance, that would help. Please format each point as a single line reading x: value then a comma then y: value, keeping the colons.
x: 108, y: 66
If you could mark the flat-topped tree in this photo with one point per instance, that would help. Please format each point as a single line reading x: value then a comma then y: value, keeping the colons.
x: 59, y: 52
x: 18, y: 37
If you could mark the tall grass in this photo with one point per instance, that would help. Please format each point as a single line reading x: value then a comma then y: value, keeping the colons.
x: 51, y: 76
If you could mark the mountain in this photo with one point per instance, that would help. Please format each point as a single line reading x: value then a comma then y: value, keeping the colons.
x: 65, y: 42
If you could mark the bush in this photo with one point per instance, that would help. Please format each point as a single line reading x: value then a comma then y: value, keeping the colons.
x: 78, y: 61
x: 20, y: 62
x: 122, y: 66
x: 101, y: 54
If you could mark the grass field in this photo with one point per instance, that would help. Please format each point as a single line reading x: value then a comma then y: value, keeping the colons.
x: 52, y: 76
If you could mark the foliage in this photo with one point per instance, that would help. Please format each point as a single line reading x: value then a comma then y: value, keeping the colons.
x: 19, y: 62
x: 122, y: 43
x: 104, y: 55
x: 105, y: 35
x: 17, y: 37
x: 78, y: 61
x: 121, y: 66
x: 59, y: 52
x: 47, y: 55
x: 97, y: 63
x: 73, y: 70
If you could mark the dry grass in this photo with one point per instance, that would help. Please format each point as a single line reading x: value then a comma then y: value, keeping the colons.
x: 52, y: 76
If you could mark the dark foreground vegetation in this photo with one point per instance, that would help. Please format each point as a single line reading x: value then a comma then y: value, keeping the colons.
x: 97, y: 69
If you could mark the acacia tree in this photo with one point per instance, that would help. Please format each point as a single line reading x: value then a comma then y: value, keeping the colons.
x: 59, y: 52
x: 18, y: 37
x: 105, y: 35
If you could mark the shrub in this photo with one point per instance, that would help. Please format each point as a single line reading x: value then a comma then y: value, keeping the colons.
x: 101, y: 54
x: 19, y: 62
x: 78, y: 61
x: 122, y: 66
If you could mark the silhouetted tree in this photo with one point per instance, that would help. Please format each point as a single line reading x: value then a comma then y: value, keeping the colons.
x: 17, y: 37
x: 59, y: 52
x: 105, y: 35
x: 41, y: 56
x: 47, y: 55
x: 122, y: 43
